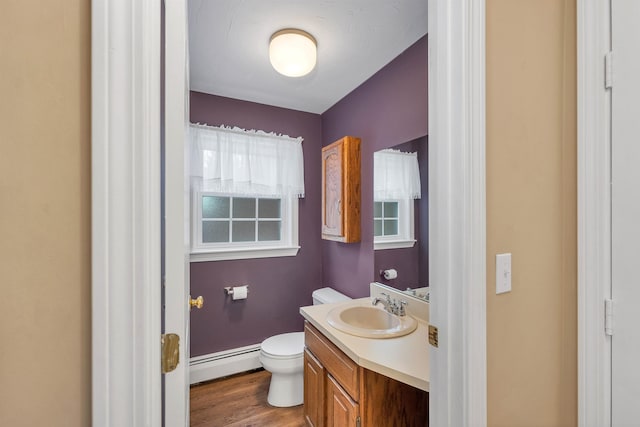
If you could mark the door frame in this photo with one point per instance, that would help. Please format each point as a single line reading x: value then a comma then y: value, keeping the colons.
x: 594, y: 213
x: 457, y: 212
x: 125, y: 193
x: 126, y: 200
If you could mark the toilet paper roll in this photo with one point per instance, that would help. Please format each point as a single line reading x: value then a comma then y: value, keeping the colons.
x: 239, y: 292
x: 390, y: 274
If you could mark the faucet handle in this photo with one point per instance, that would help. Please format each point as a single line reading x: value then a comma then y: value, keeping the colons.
x: 401, y: 309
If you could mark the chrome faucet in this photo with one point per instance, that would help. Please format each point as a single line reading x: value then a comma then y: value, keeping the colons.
x: 391, y: 306
x: 386, y: 303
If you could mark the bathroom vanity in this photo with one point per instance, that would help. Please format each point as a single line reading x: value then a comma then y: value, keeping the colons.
x: 366, y: 382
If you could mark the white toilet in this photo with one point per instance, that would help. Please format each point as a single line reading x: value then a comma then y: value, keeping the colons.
x: 282, y: 355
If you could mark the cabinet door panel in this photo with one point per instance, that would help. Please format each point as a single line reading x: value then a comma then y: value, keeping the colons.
x: 341, y: 410
x: 314, y: 375
x: 332, y: 191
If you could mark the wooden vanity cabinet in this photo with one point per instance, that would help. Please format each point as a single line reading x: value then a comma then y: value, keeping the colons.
x: 339, y: 393
x: 314, y: 390
x: 342, y: 411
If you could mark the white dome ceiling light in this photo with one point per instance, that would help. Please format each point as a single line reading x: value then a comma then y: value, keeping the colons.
x: 292, y: 52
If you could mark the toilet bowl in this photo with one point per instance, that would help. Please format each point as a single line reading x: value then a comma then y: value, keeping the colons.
x: 282, y: 355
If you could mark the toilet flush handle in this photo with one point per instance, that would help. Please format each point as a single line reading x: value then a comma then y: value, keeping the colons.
x: 197, y: 303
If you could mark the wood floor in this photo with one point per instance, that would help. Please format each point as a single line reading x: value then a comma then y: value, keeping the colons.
x: 240, y: 401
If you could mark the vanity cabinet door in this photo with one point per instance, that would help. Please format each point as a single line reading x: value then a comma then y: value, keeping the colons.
x: 341, y: 190
x: 342, y: 411
x: 314, y: 379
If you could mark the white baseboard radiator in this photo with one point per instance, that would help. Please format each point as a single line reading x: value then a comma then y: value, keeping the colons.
x: 221, y: 364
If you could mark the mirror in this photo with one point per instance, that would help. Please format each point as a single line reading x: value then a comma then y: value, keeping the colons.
x: 419, y: 293
x: 401, y: 222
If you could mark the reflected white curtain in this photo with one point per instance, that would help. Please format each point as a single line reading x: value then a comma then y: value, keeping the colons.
x: 396, y: 175
x: 256, y: 163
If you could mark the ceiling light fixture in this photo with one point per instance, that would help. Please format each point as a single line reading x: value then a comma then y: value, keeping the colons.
x: 292, y: 52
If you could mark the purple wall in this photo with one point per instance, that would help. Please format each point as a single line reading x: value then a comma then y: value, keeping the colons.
x: 278, y: 287
x: 388, y: 109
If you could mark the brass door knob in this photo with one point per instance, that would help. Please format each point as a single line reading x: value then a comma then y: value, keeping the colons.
x: 197, y: 303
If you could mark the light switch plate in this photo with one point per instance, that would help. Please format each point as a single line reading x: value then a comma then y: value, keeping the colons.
x: 503, y: 273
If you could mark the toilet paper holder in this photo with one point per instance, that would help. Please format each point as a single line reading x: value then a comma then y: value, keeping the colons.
x: 229, y: 290
x: 389, y: 274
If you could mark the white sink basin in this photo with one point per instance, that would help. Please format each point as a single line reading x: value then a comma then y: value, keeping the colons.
x: 370, y: 322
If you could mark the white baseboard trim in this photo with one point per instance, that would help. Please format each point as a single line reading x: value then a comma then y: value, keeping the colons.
x: 221, y: 364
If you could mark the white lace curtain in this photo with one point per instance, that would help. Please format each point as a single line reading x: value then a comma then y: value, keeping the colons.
x: 256, y: 163
x: 396, y: 175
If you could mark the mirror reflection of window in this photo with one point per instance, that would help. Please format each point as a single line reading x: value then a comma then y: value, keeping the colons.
x: 396, y: 184
x: 385, y: 218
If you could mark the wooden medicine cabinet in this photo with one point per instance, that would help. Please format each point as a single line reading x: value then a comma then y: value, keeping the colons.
x: 341, y: 190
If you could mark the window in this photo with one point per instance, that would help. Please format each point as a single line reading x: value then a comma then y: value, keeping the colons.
x: 240, y: 219
x: 236, y: 227
x: 244, y: 194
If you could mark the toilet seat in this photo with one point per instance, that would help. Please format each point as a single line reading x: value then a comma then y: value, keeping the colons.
x: 284, y: 346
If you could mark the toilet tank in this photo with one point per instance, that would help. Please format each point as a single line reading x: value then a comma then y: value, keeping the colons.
x: 328, y: 296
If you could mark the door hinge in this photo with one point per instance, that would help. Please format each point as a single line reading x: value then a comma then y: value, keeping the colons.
x: 608, y: 317
x: 170, y: 352
x: 433, y: 335
x: 608, y: 70
x: 358, y: 421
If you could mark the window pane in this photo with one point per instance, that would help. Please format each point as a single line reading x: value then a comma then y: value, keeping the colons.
x: 215, y: 207
x: 269, y: 208
x: 215, y: 231
x: 268, y: 230
x: 244, y: 208
x: 391, y: 210
x: 244, y: 231
x: 377, y: 227
x: 390, y: 227
x: 377, y: 209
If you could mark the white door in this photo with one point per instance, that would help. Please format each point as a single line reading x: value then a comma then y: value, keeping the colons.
x: 625, y: 196
x: 176, y: 210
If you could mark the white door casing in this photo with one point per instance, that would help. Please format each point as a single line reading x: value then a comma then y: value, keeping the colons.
x: 606, y: 209
x: 176, y: 207
x: 125, y: 44
x: 625, y: 212
x: 606, y: 195
x: 594, y: 213
x: 457, y: 212
x: 125, y: 191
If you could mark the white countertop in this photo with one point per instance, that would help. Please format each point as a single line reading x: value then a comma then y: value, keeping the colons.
x: 405, y: 358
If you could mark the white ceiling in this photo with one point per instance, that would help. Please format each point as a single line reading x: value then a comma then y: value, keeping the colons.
x: 229, y: 42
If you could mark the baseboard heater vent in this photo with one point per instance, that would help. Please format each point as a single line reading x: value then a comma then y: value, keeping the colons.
x: 217, y: 365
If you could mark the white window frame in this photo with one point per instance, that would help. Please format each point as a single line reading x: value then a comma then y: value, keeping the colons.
x: 406, y: 227
x: 288, y: 245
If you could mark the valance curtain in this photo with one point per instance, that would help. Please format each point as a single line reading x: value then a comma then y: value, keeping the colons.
x: 237, y: 161
x: 396, y: 175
